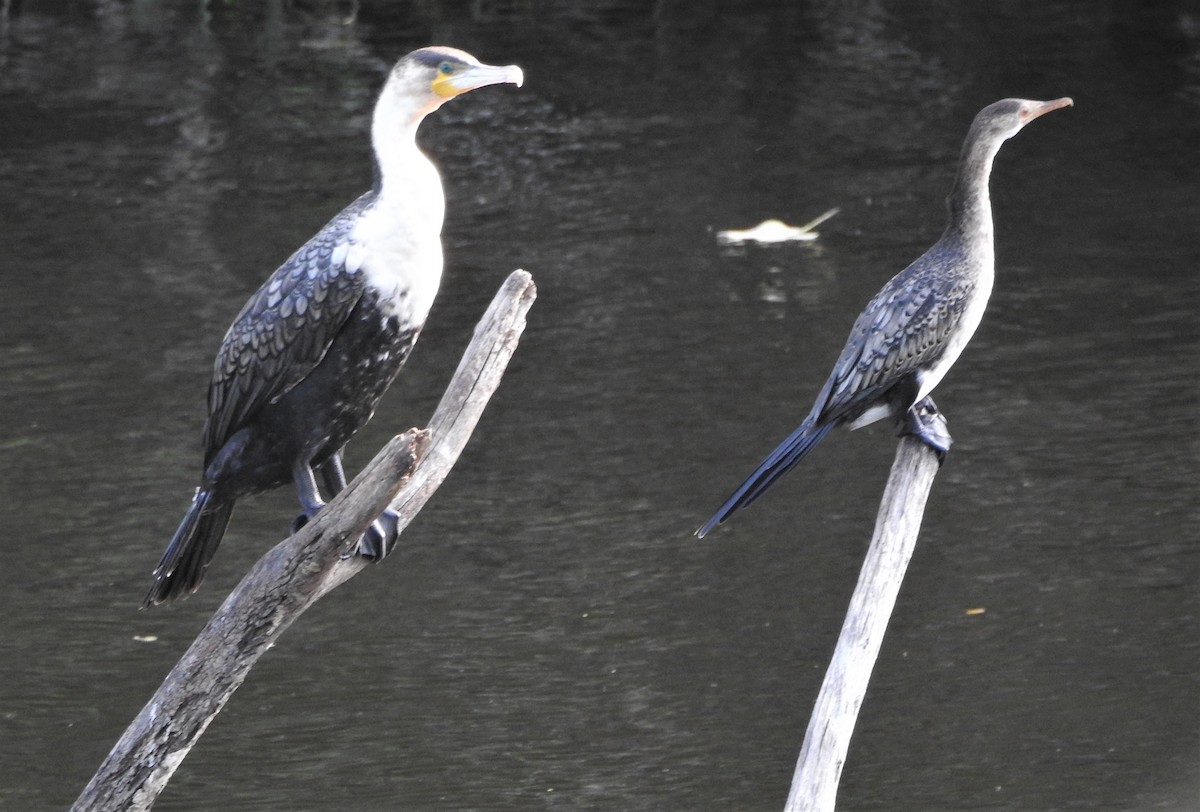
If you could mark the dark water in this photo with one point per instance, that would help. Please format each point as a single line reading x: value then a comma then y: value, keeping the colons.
x: 549, y: 635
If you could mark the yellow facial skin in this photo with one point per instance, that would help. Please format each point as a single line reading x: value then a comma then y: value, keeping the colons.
x: 443, y: 82
x: 455, y: 78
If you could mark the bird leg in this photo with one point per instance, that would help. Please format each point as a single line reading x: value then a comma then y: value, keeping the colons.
x: 333, y: 474
x: 307, y: 493
x: 381, y: 536
x: 924, y: 421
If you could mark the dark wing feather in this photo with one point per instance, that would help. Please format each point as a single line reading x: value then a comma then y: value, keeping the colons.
x: 284, y: 330
x: 902, y: 329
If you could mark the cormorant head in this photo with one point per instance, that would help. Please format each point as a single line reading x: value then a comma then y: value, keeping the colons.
x: 429, y: 77
x: 419, y: 84
x: 1005, y: 118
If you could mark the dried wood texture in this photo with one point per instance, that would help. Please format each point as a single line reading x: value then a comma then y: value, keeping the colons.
x: 298, y: 571
x: 819, y: 768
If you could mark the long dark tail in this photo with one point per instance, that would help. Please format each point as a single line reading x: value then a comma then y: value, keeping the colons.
x: 183, y: 564
x: 778, y: 462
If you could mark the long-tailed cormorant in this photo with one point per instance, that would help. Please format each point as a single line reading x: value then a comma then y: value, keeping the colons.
x: 305, y: 363
x: 914, y: 329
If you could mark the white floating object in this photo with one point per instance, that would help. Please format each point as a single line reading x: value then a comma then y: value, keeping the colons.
x: 775, y: 231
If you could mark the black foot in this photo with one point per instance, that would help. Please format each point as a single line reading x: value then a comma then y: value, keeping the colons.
x: 303, y: 519
x: 380, y: 537
x: 928, y: 425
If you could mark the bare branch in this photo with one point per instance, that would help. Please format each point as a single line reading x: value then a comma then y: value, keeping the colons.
x: 819, y: 768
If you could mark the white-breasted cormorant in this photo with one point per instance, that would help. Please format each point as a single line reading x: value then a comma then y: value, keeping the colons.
x: 914, y: 329
x: 305, y: 363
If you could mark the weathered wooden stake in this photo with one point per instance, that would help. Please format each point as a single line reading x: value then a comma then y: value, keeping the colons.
x: 298, y: 571
x: 819, y: 768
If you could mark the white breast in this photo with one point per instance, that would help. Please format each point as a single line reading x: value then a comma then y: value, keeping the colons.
x: 971, y: 317
x: 397, y: 242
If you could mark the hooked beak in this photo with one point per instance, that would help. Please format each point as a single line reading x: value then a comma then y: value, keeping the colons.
x: 477, y: 76
x: 1041, y: 108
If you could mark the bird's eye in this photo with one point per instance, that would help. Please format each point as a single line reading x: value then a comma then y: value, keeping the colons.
x: 445, y: 68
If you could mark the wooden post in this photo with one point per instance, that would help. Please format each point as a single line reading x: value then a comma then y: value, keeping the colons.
x: 819, y: 768
x: 298, y: 571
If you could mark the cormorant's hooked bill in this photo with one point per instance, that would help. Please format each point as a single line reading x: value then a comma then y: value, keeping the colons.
x: 458, y: 72
x: 307, y: 360
x: 913, y: 330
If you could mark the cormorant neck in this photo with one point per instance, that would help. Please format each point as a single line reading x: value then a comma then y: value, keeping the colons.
x: 394, y: 134
x: 970, y: 202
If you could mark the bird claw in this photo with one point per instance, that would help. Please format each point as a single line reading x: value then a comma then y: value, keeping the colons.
x: 925, y: 422
x: 380, y: 538
x: 302, y: 519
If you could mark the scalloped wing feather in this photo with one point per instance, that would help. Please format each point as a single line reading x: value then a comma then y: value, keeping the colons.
x: 902, y: 330
x: 284, y: 330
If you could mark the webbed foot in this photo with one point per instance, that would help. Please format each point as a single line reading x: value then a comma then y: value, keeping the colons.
x: 380, y: 538
x: 303, y: 518
x: 925, y: 422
